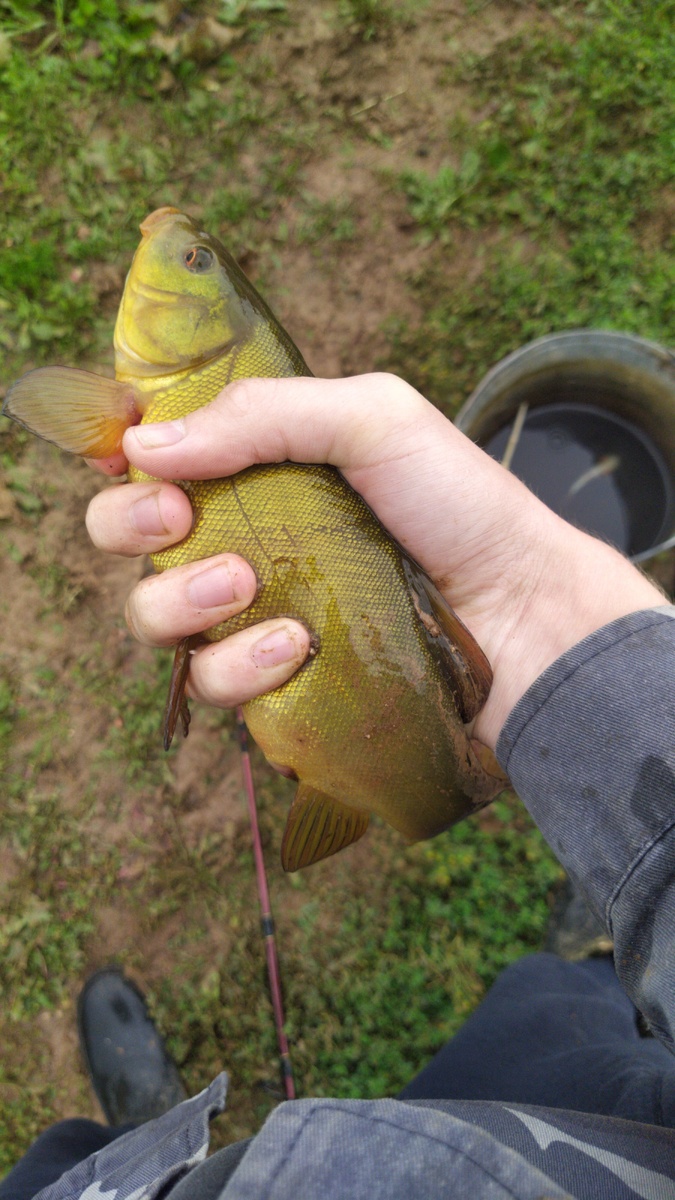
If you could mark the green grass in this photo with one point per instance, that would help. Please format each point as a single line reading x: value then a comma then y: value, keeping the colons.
x: 83, y: 165
x: 567, y: 175
x: 42, y: 942
x: 552, y: 208
x: 376, y: 979
x: 445, y: 918
x: 371, y: 19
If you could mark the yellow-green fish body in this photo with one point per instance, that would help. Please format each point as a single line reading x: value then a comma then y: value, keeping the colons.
x: 375, y: 720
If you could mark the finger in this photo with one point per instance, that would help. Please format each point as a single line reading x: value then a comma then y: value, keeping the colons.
x: 115, y: 465
x: 249, y: 663
x: 164, y: 608
x: 138, y: 518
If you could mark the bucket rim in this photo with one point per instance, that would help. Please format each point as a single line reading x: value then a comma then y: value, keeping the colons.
x: 604, y: 342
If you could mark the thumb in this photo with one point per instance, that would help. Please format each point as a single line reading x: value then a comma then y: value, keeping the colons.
x: 348, y: 423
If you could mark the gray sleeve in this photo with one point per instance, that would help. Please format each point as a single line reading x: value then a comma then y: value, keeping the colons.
x: 590, y: 749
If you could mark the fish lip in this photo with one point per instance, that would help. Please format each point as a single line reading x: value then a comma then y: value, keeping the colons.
x: 148, y: 292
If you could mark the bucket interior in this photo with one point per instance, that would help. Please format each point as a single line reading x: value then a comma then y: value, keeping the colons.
x: 637, y: 395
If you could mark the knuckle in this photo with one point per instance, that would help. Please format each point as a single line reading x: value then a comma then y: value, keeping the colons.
x: 238, y: 396
x: 399, y: 393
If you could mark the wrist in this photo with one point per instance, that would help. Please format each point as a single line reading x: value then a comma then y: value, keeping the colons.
x: 575, y: 585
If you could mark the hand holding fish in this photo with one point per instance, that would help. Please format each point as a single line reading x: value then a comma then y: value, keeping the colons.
x: 527, y: 584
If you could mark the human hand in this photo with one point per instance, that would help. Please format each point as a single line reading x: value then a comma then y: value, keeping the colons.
x: 527, y: 584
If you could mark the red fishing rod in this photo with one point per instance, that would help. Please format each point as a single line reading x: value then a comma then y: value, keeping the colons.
x: 266, y: 919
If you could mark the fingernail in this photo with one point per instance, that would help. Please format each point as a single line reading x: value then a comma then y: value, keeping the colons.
x: 164, y: 433
x: 275, y: 648
x: 211, y: 588
x: 146, y: 518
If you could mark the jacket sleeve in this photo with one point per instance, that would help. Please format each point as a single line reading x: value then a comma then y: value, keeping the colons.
x: 590, y: 749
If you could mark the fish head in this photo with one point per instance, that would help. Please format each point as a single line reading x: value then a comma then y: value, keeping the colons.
x: 185, y: 300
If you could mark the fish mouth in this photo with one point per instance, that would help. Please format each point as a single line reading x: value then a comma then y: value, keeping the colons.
x: 147, y: 292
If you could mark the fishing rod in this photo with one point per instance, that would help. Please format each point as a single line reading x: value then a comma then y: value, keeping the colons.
x: 266, y: 919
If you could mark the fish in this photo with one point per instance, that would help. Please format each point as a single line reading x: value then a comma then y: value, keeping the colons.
x: 378, y: 719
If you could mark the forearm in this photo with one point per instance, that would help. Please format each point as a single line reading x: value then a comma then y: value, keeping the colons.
x: 590, y: 750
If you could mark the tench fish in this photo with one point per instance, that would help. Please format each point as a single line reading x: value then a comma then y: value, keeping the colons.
x: 374, y: 722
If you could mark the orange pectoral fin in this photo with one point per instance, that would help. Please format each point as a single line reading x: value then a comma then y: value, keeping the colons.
x: 317, y: 827
x: 81, y: 412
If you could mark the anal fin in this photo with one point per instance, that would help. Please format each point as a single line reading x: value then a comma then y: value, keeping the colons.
x: 317, y: 827
x: 81, y: 412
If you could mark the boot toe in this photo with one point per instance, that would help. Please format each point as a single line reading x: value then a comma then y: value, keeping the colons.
x: 131, y: 1071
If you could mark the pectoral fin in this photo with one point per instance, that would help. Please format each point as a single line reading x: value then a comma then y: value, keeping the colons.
x: 317, y: 827
x: 469, y: 672
x: 81, y: 412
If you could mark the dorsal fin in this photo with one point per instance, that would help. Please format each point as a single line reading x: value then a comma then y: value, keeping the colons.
x: 468, y: 670
x: 81, y: 412
x: 317, y: 827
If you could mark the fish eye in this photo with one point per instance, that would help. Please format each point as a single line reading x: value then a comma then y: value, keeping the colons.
x: 198, y: 259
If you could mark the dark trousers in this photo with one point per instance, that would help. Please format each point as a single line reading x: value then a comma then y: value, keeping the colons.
x: 549, y: 1033
x: 558, y: 1035
x: 56, y: 1150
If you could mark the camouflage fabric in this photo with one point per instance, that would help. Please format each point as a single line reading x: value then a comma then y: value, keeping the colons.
x: 141, y: 1164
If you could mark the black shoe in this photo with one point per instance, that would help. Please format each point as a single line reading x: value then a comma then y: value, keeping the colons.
x: 574, y: 932
x: 132, y: 1074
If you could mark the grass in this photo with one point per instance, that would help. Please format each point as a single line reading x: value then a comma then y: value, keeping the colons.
x: 371, y: 19
x: 551, y: 208
x: 568, y: 176
x: 411, y: 953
